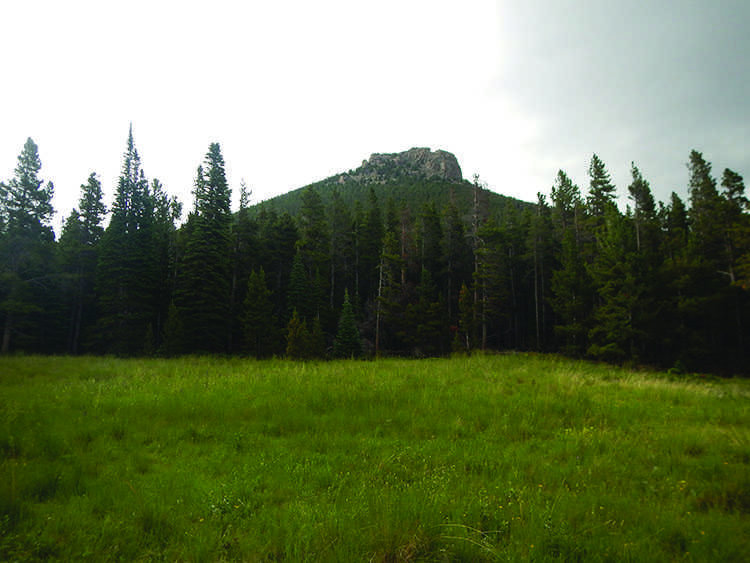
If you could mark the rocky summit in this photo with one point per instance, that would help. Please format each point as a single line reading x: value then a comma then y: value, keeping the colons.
x: 416, y: 162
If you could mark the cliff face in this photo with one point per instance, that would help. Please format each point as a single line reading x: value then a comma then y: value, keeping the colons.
x: 418, y: 162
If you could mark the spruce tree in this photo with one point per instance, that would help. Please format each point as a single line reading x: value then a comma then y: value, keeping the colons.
x: 259, y: 322
x: 26, y: 246
x: 348, y: 343
x: 570, y: 284
x: 128, y: 272
x: 300, y: 296
x: 601, y: 190
x: 79, y: 249
x: 297, y: 338
x: 706, y: 236
x: 203, y: 288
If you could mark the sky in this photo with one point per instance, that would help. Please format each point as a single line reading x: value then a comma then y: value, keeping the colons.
x: 296, y: 91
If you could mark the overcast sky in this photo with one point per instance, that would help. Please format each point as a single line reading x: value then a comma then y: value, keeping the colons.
x: 297, y: 91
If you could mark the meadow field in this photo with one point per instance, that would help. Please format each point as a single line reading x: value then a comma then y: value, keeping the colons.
x: 482, y: 458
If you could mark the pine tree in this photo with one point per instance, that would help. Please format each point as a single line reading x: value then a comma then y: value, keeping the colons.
x: 128, y: 268
x: 341, y: 251
x: 348, y: 343
x: 314, y: 231
x: 466, y: 333
x: 601, y: 189
x: 570, y: 284
x: 79, y: 249
x: 203, y: 289
x: 644, y: 267
x: 425, y: 322
x: 259, y: 322
x: 299, y: 295
x: 245, y: 258
x: 613, y: 335
x: 706, y: 237
x: 370, y: 240
x: 297, y: 338
x: 26, y: 246
x: 456, y: 256
x: 539, y: 252
x: 277, y: 238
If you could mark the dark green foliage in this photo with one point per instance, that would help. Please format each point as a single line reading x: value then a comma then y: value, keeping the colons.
x: 298, y: 340
x: 425, y: 327
x: 258, y: 321
x: 348, y: 343
x: 299, y: 295
x: 570, y: 285
x: 173, y: 343
x: 79, y: 250
x: 128, y: 277
x: 423, y: 265
x: 601, y: 190
x: 203, y: 292
x: 26, y: 251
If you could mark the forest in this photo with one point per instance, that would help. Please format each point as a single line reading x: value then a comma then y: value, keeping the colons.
x: 409, y: 269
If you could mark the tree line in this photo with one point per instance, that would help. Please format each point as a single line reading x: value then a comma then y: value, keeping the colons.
x: 663, y: 284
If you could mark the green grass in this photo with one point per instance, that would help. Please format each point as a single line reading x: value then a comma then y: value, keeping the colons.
x: 488, y: 458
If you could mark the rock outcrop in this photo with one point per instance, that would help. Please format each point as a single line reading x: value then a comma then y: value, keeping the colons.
x: 416, y: 162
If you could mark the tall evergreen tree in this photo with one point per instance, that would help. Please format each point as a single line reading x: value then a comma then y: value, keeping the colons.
x: 79, y: 249
x: 539, y: 252
x: 706, y: 237
x: 245, y: 258
x: 570, y: 284
x: 258, y: 320
x: 300, y: 298
x: 370, y: 240
x: 26, y: 245
x: 203, y: 285
x: 613, y: 335
x: 601, y: 190
x: 341, y: 250
x: 348, y: 343
x: 298, y: 340
x: 277, y: 238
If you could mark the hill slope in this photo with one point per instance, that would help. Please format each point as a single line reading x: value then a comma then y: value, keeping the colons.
x: 411, y: 179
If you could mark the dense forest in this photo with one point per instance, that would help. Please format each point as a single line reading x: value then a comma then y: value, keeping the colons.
x: 409, y: 266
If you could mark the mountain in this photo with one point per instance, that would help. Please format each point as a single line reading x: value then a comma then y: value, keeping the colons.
x: 411, y: 178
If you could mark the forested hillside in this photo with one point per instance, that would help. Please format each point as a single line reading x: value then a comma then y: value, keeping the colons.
x: 388, y: 259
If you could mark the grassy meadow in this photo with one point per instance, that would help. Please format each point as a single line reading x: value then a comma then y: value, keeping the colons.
x: 485, y: 458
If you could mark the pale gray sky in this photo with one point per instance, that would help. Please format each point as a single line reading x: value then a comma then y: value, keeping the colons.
x: 296, y: 91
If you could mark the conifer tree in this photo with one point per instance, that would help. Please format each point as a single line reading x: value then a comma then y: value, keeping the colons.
x: 245, y: 258
x: 539, y: 253
x: 297, y: 338
x: 570, y: 284
x: 26, y: 246
x: 706, y: 237
x: 370, y: 240
x: 348, y: 343
x: 79, y: 248
x: 601, y: 190
x: 203, y: 283
x: 173, y: 343
x: 299, y: 295
x: 128, y: 268
x: 341, y: 248
x: 277, y: 239
x: 258, y: 320
x: 613, y: 335
x: 425, y: 327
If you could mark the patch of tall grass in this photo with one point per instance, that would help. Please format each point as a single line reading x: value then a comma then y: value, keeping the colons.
x: 481, y: 458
